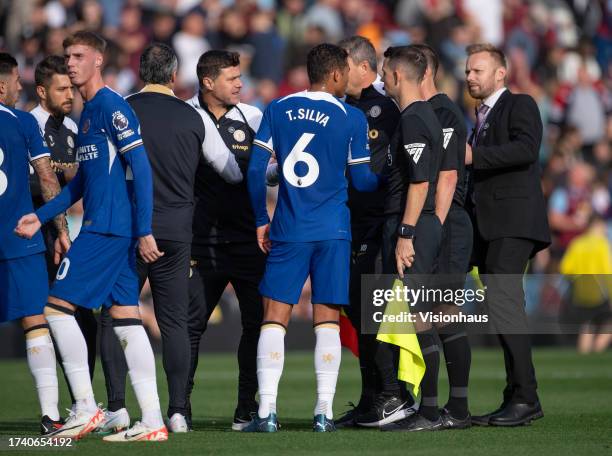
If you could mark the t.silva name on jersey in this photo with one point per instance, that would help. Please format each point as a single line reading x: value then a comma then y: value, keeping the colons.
x: 308, y: 114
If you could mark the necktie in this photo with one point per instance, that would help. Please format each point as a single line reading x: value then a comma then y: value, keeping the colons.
x: 481, y: 116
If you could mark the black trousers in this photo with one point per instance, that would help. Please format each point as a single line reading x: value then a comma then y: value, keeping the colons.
x: 363, y: 261
x: 506, y: 308
x: 213, y: 268
x: 169, y: 280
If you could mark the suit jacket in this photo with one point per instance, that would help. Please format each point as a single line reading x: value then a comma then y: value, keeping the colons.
x: 506, y: 174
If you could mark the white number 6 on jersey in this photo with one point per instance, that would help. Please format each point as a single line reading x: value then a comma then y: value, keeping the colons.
x: 298, y: 154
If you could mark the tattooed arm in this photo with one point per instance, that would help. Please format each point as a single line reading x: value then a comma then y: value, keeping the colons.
x: 50, y: 188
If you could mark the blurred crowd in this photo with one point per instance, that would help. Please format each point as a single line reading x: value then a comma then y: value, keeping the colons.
x: 559, y: 51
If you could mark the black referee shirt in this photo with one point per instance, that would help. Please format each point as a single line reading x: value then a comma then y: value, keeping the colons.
x: 455, y: 137
x: 223, y: 211
x: 416, y: 155
x: 60, y: 136
x: 367, y: 208
x: 173, y: 133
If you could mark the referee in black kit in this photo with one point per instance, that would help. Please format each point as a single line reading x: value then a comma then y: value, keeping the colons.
x: 412, y: 232
x: 457, y: 240
x: 224, y: 246
x: 364, y: 91
x: 175, y: 138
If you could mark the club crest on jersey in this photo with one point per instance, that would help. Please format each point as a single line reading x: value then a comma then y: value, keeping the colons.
x: 51, y: 141
x: 239, y: 135
x: 86, y: 124
x: 448, y: 134
x: 70, y: 141
x: 120, y: 122
x: 415, y: 150
x: 375, y: 111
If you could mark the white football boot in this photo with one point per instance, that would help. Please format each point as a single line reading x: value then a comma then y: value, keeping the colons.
x: 139, y: 432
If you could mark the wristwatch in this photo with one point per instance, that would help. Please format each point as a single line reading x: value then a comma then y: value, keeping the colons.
x: 405, y: 231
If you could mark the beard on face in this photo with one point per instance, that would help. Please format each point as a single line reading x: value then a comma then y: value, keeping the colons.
x: 59, y: 110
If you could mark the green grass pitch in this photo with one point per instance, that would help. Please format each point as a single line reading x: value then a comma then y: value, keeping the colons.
x: 576, y: 393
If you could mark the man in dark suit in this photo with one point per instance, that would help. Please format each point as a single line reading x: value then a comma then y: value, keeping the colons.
x: 510, y: 220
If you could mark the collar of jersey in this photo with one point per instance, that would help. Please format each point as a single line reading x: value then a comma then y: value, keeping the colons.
x: 158, y: 88
x: 204, y: 106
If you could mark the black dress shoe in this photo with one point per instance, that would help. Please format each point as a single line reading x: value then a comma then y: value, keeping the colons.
x: 450, y: 422
x: 517, y: 415
x: 483, y: 420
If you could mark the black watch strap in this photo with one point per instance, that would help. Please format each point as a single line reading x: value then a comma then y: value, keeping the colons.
x: 406, y: 231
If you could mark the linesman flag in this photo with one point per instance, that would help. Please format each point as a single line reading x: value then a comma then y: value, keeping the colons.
x: 348, y: 334
x: 411, y: 363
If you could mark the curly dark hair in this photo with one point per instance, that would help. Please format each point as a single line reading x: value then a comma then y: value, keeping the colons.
x: 323, y: 60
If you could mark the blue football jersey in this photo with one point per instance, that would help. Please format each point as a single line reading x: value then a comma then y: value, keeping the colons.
x: 314, y: 136
x: 108, y: 130
x: 20, y: 143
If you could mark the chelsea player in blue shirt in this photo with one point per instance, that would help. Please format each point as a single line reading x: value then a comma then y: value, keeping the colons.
x: 114, y: 180
x: 313, y: 136
x: 22, y: 262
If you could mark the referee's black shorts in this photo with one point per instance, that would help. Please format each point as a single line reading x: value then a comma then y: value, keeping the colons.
x: 457, y: 242
x: 427, y: 239
x: 453, y: 261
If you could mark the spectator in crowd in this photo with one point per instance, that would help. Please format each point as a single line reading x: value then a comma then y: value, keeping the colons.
x: 570, y: 206
x: 189, y: 44
x: 588, y: 258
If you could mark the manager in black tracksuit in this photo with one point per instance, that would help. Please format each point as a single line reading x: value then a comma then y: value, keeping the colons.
x: 365, y: 92
x: 224, y: 246
x: 176, y: 139
x: 509, y: 214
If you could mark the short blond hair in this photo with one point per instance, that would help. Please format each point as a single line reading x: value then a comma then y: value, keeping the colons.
x: 493, y: 51
x: 86, y: 38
